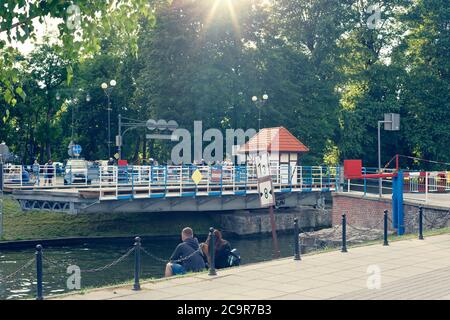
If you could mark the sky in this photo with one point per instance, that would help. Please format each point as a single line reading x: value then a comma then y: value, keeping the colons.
x: 48, y: 28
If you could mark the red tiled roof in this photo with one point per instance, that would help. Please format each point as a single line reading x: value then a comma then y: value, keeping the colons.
x: 274, y: 139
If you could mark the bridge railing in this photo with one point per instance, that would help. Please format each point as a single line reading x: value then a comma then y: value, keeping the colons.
x: 170, y: 181
x: 422, y: 185
x: 416, y: 185
x: 162, y: 181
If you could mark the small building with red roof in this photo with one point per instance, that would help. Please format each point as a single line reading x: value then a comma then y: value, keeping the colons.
x: 282, y: 146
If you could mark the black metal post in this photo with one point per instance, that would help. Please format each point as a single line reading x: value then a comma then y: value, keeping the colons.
x: 38, y: 254
x: 212, y: 242
x: 296, y: 241
x: 420, y: 223
x: 386, y: 243
x: 137, y: 263
x: 344, y: 233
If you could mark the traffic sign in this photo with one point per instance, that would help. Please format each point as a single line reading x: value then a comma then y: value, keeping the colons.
x: 262, y: 166
x: 197, y: 177
x: 266, y: 195
x: 391, y: 122
x: 265, y: 186
x: 76, y: 150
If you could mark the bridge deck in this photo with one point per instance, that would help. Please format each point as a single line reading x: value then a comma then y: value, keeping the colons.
x: 441, y: 200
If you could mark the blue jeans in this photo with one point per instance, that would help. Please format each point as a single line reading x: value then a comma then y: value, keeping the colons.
x: 178, y: 269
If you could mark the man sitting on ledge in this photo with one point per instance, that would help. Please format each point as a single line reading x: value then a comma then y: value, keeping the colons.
x: 187, y: 257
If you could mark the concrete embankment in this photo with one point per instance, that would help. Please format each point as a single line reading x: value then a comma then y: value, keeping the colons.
x: 409, y: 269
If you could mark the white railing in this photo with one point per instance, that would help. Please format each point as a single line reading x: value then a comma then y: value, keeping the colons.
x: 170, y: 181
x: 161, y: 181
x: 12, y: 175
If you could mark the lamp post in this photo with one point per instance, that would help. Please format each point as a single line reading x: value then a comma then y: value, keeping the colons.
x: 108, y: 89
x: 73, y: 102
x: 391, y: 123
x: 259, y: 104
x: 4, y: 154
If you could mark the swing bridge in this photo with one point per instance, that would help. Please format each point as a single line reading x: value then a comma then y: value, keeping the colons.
x: 203, y: 188
x: 165, y: 188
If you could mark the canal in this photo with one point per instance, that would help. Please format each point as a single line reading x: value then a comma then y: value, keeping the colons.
x: 94, y: 255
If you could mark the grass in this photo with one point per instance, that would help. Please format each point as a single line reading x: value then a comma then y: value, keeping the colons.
x: 31, y: 225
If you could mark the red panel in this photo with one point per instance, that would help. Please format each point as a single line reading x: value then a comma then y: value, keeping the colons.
x: 123, y: 163
x: 352, y: 168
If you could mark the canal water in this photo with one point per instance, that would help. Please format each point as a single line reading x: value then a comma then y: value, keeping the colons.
x: 95, y: 255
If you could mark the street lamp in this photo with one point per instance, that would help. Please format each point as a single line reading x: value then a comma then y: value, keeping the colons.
x: 108, y: 91
x: 73, y: 103
x: 259, y: 105
x: 391, y: 123
x: 4, y: 154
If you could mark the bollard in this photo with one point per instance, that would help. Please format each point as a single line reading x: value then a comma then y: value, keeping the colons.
x: 344, y: 233
x: 212, y: 242
x: 38, y: 254
x: 386, y: 243
x: 137, y: 263
x: 420, y: 223
x: 296, y: 241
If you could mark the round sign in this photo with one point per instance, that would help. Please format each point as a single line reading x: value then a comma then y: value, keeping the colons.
x: 161, y: 125
x: 76, y: 149
x: 172, y: 125
x: 151, y: 124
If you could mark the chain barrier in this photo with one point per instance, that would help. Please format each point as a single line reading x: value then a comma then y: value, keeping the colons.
x: 26, y: 265
x: 437, y: 217
x: 369, y: 228
x: 109, y: 265
x: 49, y: 261
x: 199, y: 250
x: 316, y: 238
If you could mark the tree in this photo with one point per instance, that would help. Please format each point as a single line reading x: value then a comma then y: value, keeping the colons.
x: 83, y: 23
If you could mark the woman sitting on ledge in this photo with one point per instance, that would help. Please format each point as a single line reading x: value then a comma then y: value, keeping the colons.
x: 221, y: 253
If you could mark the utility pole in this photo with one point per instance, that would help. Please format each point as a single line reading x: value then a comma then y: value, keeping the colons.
x: 4, y: 154
x: 391, y: 123
x: 1, y: 197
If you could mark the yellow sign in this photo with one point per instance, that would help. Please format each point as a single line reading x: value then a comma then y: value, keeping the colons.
x: 197, y: 176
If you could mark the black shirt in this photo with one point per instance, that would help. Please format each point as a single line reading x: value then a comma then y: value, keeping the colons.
x: 221, y: 256
x: 194, y: 263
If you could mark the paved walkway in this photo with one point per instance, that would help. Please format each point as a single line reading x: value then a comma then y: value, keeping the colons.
x: 410, y: 269
x: 439, y: 200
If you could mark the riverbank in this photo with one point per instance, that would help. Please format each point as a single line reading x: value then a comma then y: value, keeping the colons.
x: 34, y: 225
x: 409, y: 268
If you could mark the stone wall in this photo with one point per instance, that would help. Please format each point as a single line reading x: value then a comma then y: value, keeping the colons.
x: 258, y: 221
x: 434, y: 217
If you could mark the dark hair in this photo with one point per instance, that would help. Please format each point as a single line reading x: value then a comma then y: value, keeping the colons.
x: 219, y: 242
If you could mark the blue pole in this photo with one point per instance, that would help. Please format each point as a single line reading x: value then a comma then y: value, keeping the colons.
x: 365, y: 181
x: 132, y: 182
x: 401, y: 218
x: 398, y: 220
x: 394, y: 203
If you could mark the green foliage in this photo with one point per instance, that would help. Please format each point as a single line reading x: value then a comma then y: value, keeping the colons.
x: 20, y: 225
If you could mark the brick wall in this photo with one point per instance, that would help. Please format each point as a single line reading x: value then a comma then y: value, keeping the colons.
x: 368, y: 213
x: 361, y: 212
